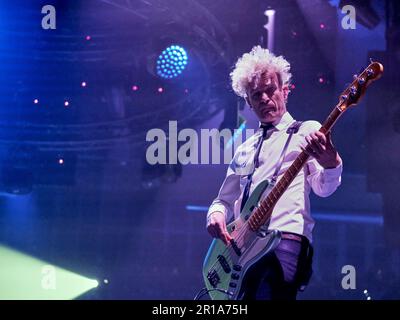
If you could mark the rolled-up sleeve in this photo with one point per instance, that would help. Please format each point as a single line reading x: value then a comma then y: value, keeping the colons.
x: 227, y: 195
x: 324, y: 182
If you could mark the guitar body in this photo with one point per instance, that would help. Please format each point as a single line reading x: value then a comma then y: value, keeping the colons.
x: 224, y: 268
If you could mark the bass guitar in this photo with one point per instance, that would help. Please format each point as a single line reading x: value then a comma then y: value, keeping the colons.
x: 225, y: 266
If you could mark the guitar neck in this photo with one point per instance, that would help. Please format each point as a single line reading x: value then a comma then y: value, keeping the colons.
x: 350, y: 96
x: 264, y: 210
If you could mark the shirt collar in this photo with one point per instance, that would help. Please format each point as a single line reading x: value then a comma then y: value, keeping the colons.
x: 284, y: 122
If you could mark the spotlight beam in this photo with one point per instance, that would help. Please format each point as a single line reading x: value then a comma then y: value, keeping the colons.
x: 23, y: 277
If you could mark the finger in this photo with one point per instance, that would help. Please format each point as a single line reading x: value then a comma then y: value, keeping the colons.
x: 224, y: 239
x: 308, y: 148
x: 318, y: 138
x: 228, y: 236
x: 311, y: 147
x: 329, y: 140
x: 308, y: 151
x: 321, y: 137
x: 316, y: 144
x: 227, y: 233
x: 222, y: 234
x: 318, y: 147
x: 211, y: 230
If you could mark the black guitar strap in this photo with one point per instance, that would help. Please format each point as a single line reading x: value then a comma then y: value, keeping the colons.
x: 294, y: 128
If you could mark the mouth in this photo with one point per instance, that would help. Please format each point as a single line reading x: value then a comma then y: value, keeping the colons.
x: 267, y: 110
x: 267, y: 107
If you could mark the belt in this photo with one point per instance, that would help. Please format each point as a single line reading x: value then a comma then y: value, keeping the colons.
x: 292, y: 236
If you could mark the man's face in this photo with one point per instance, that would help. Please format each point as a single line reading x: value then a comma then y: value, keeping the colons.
x: 267, y: 98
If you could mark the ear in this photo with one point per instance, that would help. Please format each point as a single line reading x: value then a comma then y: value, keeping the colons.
x: 286, y: 91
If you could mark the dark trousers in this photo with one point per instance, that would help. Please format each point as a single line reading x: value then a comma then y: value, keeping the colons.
x: 279, y: 275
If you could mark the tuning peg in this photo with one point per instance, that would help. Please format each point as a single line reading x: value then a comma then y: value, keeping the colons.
x: 370, y: 60
x: 355, y: 76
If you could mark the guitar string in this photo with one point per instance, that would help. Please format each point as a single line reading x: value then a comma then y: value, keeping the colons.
x: 229, y: 247
x: 242, y: 232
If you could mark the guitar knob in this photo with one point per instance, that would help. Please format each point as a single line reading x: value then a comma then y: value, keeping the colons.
x: 235, y: 276
x: 237, y: 267
x: 361, y: 81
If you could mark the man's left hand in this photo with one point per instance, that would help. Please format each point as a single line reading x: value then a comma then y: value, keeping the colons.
x: 320, y: 147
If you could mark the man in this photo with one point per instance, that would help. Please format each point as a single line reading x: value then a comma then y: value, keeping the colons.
x: 263, y: 80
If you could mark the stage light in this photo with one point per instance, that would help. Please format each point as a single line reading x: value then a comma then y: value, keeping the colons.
x: 160, y: 90
x: 61, y: 161
x: 83, y: 84
x: 23, y: 277
x: 135, y: 88
x: 94, y: 283
x: 322, y: 26
x: 269, y: 12
x: 36, y: 101
x: 88, y: 38
x: 171, y: 62
x: 66, y: 103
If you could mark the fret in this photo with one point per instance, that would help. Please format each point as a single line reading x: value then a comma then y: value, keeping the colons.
x: 290, y: 170
x: 286, y: 179
x: 373, y: 72
x: 279, y: 188
x: 264, y: 208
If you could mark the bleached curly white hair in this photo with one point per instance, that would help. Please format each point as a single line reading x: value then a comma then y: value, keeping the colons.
x: 251, y: 66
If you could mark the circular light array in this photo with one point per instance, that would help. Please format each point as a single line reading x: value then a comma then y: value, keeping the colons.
x: 171, y: 62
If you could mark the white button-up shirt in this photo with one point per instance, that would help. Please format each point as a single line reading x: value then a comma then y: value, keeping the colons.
x: 292, y: 211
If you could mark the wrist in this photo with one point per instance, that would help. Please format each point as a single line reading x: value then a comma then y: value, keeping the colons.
x: 215, y: 213
x: 334, y: 164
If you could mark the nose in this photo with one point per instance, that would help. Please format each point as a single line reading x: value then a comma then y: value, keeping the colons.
x: 265, y: 97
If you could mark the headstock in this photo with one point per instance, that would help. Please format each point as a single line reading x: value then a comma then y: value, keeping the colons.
x: 356, y: 90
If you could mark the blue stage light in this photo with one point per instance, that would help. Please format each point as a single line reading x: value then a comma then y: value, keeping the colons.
x: 171, y: 62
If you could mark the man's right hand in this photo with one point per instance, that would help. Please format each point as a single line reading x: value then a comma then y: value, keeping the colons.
x: 216, y: 226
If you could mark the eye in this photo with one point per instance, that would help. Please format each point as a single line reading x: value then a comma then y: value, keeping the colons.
x: 270, y: 91
x: 257, y: 95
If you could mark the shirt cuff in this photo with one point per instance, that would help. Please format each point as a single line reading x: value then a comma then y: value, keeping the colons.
x: 214, y: 208
x: 332, y: 173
